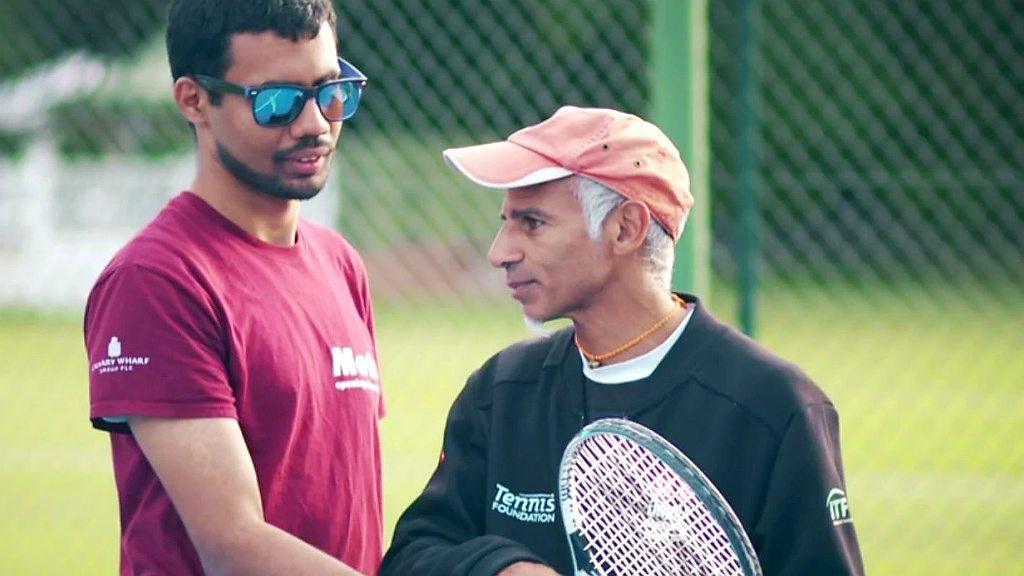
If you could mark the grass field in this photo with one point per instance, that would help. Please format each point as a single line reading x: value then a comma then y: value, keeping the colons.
x: 930, y: 390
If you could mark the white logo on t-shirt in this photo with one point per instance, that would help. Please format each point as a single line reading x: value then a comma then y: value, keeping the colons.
x: 114, y: 347
x: 354, y: 370
x: 838, y: 507
x: 535, y: 508
x: 115, y: 362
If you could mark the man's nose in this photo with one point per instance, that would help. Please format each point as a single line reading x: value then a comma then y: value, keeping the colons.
x: 310, y: 122
x: 502, y: 252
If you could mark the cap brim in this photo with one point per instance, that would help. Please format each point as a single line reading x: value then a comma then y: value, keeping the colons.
x: 503, y: 165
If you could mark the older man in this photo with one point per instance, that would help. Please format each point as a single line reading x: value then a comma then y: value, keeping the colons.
x: 595, y: 201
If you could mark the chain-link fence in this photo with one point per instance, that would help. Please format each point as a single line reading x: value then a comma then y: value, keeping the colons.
x: 888, y: 238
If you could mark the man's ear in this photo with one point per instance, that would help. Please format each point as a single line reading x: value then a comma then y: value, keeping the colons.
x: 629, y: 223
x: 192, y: 101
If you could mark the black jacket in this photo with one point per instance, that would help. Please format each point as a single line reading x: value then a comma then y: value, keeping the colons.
x: 764, y: 434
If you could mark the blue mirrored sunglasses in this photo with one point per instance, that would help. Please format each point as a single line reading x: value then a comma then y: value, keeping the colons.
x: 280, y: 104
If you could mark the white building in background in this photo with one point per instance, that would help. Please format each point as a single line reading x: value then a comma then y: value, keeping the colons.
x: 61, y: 221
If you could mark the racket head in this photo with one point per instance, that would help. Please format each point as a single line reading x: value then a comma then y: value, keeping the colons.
x: 671, y: 518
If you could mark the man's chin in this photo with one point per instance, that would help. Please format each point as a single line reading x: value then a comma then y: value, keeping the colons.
x: 300, y: 188
x: 536, y: 326
x: 300, y: 194
x: 275, y: 184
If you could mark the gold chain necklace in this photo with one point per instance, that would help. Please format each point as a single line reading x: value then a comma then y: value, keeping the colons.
x: 596, y: 360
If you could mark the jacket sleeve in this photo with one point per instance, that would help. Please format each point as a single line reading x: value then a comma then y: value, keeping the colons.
x: 442, y: 533
x: 806, y: 526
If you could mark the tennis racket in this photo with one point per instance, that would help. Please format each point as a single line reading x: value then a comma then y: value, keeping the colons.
x: 634, y: 505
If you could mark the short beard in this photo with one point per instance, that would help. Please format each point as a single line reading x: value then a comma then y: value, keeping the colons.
x: 269, y: 184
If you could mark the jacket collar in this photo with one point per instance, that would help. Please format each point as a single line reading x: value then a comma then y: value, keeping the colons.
x: 701, y: 329
x: 677, y: 366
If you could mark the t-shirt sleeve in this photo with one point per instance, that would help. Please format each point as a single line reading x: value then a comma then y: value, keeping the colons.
x: 359, y: 286
x: 156, y: 348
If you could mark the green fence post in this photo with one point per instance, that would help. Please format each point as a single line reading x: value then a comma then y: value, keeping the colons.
x: 679, y: 98
x: 747, y: 163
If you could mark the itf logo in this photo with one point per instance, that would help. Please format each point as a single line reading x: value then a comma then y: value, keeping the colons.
x: 838, y: 507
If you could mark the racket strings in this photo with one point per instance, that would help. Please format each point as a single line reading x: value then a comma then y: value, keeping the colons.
x: 640, y: 518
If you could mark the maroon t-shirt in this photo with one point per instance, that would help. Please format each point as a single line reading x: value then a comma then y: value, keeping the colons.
x: 196, y: 318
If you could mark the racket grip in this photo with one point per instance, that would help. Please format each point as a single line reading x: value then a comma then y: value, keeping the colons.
x: 580, y: 556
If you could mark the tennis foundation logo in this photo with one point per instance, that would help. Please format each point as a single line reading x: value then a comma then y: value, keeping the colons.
x: 536, y: 508
x: 838, y: 507
x: 117, y: 361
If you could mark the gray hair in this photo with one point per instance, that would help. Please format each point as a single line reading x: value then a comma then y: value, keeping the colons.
x: 598, y: 200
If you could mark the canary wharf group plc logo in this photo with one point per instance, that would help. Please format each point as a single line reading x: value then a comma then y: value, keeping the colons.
x: 838, y: 507
x: 117, y: 361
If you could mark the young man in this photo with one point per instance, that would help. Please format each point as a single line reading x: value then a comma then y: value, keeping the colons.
x: 231, y: 344
x: 596, y: 199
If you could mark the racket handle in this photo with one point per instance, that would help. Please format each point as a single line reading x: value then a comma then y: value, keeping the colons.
x: 580, y: 558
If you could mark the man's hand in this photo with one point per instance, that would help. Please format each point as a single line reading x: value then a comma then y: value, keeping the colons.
x: 527, y: 569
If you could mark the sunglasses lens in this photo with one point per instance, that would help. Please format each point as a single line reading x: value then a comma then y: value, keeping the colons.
x: 277, y: 106
x: 339, y: 100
